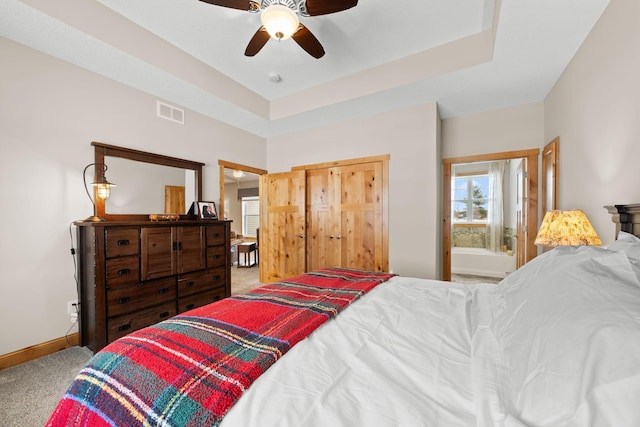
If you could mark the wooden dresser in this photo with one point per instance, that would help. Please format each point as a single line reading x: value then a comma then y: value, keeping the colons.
x: 134, y: 274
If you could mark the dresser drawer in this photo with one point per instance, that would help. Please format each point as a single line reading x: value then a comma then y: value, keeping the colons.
x: 202, y: 280
x: 122, y: 242
x: 198, y: 300
x: 216, y: 256
x: 122, y: 325
x: 136, y: 297
x: 123, y: 271
x: 215, y: 234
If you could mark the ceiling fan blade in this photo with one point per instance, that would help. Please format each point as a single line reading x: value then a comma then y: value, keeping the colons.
x: 257, y: 42
x: 233, y: 4
x: 308, y: 42
x: 323, y: 7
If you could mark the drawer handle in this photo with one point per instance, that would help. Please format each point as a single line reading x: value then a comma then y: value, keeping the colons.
x: 189, y: 284
x: 163, y: 291
x: 216, y: 235
x: 124, y: 271
x: 216, y: 257
x: 216, y: 298
x: 216, y: 277
x: 189, y: 306
x: 164, y: 315
x: 123, y: 242
x: 124, y: 300
x: 123, y: 328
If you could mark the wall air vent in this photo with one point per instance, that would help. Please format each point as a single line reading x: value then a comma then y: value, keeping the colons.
x: 170, y: 112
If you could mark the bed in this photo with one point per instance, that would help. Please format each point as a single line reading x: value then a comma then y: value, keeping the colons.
x: 556, y: 343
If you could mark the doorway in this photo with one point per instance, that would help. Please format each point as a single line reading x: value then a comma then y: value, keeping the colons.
x: 239, y: 203
x: 527, y: 216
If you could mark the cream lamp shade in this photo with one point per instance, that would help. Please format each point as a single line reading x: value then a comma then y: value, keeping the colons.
x: 566, y: 228
x: 279, y: 21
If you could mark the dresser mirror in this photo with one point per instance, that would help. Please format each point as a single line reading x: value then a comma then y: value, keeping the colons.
x: 141, y: 178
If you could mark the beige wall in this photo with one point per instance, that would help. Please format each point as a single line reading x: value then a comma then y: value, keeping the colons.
x: 508, y: 129
x: 411, y: 137
x: 50, y: 112
x: 595, y: 109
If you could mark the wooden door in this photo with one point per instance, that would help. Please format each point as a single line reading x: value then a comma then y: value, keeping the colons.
x: 361, y: 216
x: 521, y: 214
x: 157, y: 252
x: 323, y: 214
x: 282, y: 229
x: 191, y: 249
x: 174, y: 200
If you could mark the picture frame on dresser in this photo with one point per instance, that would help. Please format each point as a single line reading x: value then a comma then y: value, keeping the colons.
x: 207, y: 210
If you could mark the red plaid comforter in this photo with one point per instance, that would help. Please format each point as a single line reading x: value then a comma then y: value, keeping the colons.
x: 190, y: 369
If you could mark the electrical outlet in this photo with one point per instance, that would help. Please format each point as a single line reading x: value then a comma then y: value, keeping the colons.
x: 73, y: 308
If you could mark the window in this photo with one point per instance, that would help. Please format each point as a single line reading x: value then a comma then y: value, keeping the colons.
x: 470, y: 198
x: 250, y: 216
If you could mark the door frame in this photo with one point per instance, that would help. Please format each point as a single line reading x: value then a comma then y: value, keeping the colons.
x: 235, y: 166
x: 531, y: 157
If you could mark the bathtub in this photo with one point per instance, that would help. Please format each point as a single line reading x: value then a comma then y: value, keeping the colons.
x: 481, y: 262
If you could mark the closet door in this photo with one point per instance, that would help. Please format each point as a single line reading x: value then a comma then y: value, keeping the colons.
x: 361, y: 216
x: 282, y: 229
x: 323, y: 224
x: 345, y: 217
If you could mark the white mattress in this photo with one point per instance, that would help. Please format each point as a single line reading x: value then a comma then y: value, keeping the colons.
x: 557, y: 343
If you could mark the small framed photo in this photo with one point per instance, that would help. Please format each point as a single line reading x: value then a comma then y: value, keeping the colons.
x: 207, y: 210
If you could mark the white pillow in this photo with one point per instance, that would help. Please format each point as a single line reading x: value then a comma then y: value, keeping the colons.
x: 568, y: 339
x: 623, y: 235
x: 627, y: 243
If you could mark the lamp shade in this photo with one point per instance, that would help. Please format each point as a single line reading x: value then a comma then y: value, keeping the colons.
x: 279, y: 21
x: 566, y: 228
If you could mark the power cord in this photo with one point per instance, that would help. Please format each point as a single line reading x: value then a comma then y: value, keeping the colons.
x: 75, y: 277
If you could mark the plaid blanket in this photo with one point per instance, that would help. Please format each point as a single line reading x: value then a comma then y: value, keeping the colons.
x: 190, y: 369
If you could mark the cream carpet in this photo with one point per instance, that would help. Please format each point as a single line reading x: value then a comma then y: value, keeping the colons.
x: 244, y: 279
x: 29, y: 392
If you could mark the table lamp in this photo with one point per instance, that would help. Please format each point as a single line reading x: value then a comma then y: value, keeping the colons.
x: 566, y: 228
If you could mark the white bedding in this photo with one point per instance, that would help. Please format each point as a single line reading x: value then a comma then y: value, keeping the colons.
x: 557, y: 343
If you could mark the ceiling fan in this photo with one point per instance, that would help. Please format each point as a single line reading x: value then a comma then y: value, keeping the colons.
x: 280, y: 20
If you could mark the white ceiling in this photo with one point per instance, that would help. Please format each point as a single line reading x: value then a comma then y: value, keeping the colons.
x: 467, y: 55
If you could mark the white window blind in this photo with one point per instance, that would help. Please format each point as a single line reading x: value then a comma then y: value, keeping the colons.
x: 250, y: 216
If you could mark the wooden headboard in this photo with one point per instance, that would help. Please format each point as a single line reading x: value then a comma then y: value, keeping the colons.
x: 626, y: 218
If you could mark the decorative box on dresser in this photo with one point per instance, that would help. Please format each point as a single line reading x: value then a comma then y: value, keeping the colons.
x: 133, y: 274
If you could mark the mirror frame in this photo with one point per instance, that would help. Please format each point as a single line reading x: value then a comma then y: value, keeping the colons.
x: 103, y: 150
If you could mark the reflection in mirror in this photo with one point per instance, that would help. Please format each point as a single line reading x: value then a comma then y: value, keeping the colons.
x: 142, y: 186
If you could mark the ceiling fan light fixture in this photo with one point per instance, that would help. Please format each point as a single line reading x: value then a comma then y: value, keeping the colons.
x: 280, y: 21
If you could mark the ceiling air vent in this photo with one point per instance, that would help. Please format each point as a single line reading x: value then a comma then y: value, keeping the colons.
x: 170, y: 112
